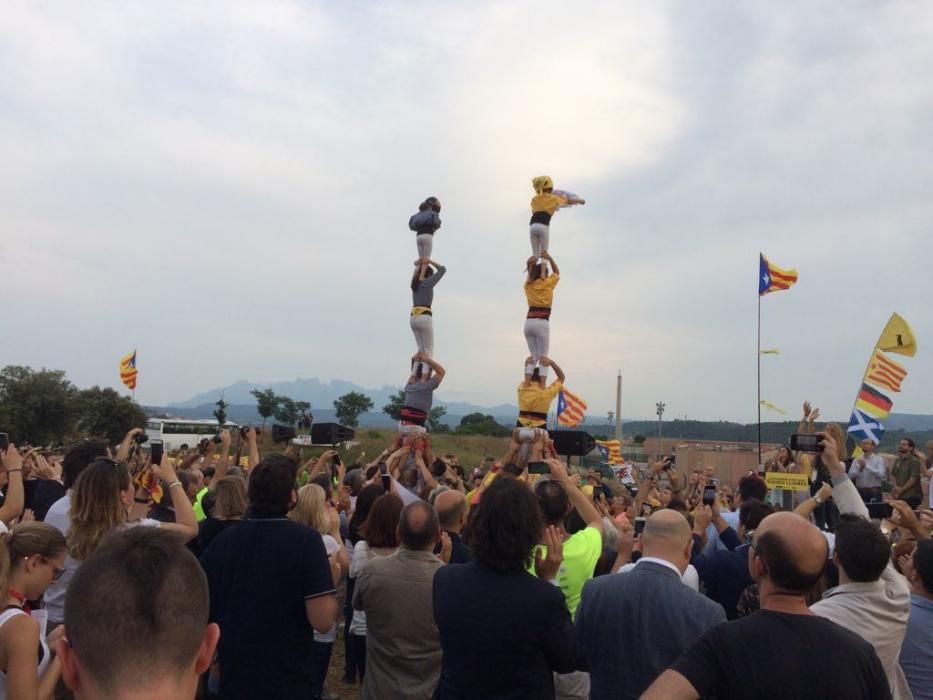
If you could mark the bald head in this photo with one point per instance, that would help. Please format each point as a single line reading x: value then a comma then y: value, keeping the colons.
x: 418, y: 527
x: 667, y: 536
x: 451, y: 505
x: 793, y: 550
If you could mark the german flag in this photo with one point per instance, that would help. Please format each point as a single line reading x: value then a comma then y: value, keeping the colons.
x: 873, y: 402
x: 128, y: 370
x: 885, y: 372
x: 570, y: 408
x: 772, y: 278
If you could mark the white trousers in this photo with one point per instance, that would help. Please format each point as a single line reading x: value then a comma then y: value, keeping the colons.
x: 540, y: 237
x: 408, y: 429
x: 538, y: 337
x: 425, y: 243
x: 422, y: 327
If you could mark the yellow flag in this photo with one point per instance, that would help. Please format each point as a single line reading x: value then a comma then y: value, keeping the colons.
x: 770, y: 351
x: 898, y: 337
x: 771, y: 407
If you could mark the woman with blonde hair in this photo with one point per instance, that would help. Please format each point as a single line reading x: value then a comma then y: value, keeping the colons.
x: 31, y: 558
x: 229, y: 506
x: 105, y: 499
x: 313, y: 510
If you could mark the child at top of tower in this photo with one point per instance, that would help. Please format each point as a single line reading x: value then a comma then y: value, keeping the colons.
x: 424, y: 224
x: 544, y: 204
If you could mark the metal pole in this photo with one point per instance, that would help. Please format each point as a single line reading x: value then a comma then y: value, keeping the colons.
x: 618, y: 435
x: 759, y: 382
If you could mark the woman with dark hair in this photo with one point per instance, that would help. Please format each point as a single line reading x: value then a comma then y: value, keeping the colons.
x: 380, y: 539
x: 518, y: 631
x: 422, y: 297
x: 782, y: 462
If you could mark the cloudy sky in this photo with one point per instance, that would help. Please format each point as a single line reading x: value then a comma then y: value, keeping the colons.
x: 226, y: 187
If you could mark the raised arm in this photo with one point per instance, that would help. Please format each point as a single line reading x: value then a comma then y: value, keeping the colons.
x: 440, y: 270
x: 845, y: 495
x: 123, y: 451
x: 811, y: 504
x: 439, y: 371
x: 584, y: 505
x: 426, y: 474
x: 252, y: 449
x: 12, y: 507
x: 223, y: 464
x: 548, y: 362
x: 547, y: 256
x: 186, y: 523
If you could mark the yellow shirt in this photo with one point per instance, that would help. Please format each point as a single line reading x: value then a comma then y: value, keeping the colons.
x: 534, y: 399
x: 540, y: 292
x: 547, y: 202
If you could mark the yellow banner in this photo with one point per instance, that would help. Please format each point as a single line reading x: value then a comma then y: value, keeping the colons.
x: 787, y: 482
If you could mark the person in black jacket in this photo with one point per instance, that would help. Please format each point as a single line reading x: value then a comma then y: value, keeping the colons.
x: 504, y: 632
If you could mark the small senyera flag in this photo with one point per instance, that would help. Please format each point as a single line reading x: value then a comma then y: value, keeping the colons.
x: 885, y: 372
x: 570, y: 408
x: 873, y: 402
x: 862, y: 426
x: 772, y: 278
x: 610, y: 450
x: 128, y: 370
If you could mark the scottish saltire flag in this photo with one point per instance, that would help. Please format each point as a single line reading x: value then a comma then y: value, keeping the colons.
x: 772, y: 278
x: 863, y: 426
x: 128, y: 370
x: 570, y: 408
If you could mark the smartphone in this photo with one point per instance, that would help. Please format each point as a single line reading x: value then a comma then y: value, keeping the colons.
x: 538, y: 468
x: 155, y: 449
x: 217, y: 439
x: 671, y: 462
x: 805, y: 443
x: 879, y: 511
x: 386, y: 479
x: 639, y: 525
x: 4, y: 442
x: 709, y: 492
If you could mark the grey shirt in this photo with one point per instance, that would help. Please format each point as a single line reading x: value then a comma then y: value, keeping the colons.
x: 427, y: 221
x: 424, y: 294
x: 420, y: 395
x: 403, y: 649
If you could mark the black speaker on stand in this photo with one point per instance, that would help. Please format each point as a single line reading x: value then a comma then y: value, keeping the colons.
x: 330, y: 433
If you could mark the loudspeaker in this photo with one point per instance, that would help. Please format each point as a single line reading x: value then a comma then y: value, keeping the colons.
x: 331, y: 433
x: 282, y: 433
x: 573, y: 443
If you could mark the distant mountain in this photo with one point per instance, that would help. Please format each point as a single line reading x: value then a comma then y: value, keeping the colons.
x: 909, y: 422
x: 312, y: 390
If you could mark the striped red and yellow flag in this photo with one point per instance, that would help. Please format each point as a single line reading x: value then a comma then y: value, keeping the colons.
x: 570, y: 408
x: 128, y: 370
x: 772, y: 278
x: 885, y: 372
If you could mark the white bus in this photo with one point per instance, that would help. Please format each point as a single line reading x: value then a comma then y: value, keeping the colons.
x: 183, y: 433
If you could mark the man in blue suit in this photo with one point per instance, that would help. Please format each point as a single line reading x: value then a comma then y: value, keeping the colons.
x: 633, y: 625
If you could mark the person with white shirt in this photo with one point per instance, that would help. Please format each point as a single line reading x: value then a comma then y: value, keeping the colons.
x: 867, y: 472
x: 634, y: 624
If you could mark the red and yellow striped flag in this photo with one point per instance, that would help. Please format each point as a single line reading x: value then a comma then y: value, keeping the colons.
x: 570, y: 408
x: 885, y: 372
x: 128, y: 370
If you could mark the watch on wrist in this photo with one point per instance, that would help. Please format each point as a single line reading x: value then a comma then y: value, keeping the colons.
x: 819, y: 501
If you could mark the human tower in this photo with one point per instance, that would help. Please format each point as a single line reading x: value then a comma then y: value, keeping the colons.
x: 534, y: 394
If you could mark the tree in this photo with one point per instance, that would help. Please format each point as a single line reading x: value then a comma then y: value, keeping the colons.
x: 286, y: 411
x: 479, y: 424
x: 265, y: 404
x: 220, y: 413
x: 434, y: 418
x: 105, y: 413
x: 349, y: 407
x: 394, y: 408
x: 36, y: 406
x: 639, y: 439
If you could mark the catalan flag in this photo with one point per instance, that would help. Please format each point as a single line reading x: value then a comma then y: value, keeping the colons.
x: 873, y: 402
x: 885, y: 372
x: 611, y: 451
x: 128, y: 370
x: 570, y: 408
x: 772, y: 278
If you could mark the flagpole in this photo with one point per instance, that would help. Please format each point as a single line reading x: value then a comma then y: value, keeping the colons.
x: 858, y: 391
x: 759, y: 380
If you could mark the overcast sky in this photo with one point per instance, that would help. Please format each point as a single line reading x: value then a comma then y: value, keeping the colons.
x: 226, y: 187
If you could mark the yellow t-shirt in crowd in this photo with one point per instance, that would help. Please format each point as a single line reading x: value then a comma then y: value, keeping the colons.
x: 581, y: 552
x: 540, y: 292
x: 536, y: 400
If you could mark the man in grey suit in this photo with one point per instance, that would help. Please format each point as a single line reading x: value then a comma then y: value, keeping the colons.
x: 635, y: 624
x: 403, y: 649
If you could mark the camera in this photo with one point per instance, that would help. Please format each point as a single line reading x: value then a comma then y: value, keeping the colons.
x: 140, y: 438
x: 217, y: 439
x: 805, y: 443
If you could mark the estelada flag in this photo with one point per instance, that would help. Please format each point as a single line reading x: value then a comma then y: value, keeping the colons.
x: 610, y: 450
x: 772, y: 278
x: 570, y: 408
x: 898, y: 337
x: 885, y: 372
x: 873, y: 402
x: 128, y: 370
